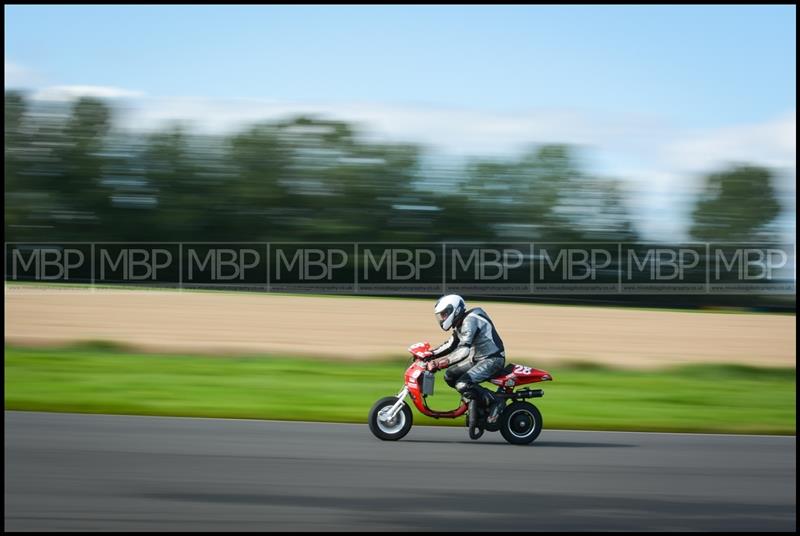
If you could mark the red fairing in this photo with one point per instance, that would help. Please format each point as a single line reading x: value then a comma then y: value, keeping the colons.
x: 413, y: 375
x: 522, y: 375
x: 413, y: 378
x: 420, y: 350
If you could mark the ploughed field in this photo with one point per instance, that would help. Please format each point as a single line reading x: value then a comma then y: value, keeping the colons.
x: 374, y: 328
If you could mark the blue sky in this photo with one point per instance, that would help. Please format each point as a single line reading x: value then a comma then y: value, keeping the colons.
x: 709, y: 65
x: 659, y: 92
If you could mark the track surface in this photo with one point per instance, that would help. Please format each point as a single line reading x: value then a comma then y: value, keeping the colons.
x: 102, y: 472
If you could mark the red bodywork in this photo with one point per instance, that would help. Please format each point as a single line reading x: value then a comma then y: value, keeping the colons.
x: 521, y: 375
x: 413, y: 382
x: 518, y: 375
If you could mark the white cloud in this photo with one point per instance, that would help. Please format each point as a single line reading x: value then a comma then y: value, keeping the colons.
x: 618, y: 143
x: 18, y: 76
x: 771, y: 143
x: 456, y: 131
x: 66, y: 93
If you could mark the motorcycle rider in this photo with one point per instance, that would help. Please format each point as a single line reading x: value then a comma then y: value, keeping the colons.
x: 473, y: 353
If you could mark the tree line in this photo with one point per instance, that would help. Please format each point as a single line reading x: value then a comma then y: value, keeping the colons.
x: 72, y: 175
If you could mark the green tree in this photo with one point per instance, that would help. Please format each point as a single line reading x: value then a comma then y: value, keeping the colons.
x: 736, y: 204
x: 256, y: 200
x: 73, y: 174
x: 544, y: 195
x: 15, y: 142
x: 313, y: 179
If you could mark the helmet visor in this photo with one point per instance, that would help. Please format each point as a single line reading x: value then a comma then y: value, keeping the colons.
x: 442, y: 315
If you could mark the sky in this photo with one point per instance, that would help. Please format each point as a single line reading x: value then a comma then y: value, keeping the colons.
x: 656, y: 95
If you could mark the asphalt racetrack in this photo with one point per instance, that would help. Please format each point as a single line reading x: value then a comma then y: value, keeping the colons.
x: 103, y: 472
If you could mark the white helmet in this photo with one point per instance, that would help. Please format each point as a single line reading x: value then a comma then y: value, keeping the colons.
x: 448, y: 310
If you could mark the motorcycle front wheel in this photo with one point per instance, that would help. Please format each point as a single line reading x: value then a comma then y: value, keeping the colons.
x: 389, y: 430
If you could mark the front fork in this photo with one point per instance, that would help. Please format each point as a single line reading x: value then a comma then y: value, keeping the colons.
x: 391, y: 413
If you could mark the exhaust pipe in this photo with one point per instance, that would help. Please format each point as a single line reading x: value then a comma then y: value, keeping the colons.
x: 526, y: 393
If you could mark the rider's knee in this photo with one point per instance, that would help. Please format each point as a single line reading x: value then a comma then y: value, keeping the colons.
x: 463, y: 387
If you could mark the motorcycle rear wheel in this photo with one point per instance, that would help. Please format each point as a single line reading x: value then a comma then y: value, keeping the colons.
x: 521, y: 423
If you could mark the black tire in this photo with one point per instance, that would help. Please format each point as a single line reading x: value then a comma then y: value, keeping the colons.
x: 492, y: 427
x: 521, y: 423
x: 472, y: 414
x: 390, y: 432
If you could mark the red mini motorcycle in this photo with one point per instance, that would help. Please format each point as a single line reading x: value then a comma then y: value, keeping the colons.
x: 520, y: 423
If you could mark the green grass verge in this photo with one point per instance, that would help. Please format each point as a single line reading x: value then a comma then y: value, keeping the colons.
x: 107, y: 379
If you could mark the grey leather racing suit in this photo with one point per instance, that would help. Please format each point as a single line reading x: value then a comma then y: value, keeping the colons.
x: 474, y: 352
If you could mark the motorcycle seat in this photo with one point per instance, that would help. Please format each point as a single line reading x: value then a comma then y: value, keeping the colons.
x: 508, y: 369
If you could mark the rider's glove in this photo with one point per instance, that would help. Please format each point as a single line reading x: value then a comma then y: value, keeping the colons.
x: 437, y: 364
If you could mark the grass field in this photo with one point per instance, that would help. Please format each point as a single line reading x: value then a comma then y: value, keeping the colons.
x: 107, y: 379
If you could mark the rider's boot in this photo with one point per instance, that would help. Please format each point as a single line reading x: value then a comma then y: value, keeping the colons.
x: 494, y: 406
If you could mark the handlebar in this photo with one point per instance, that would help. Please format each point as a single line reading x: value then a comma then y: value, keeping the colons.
x: 419, y: 348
